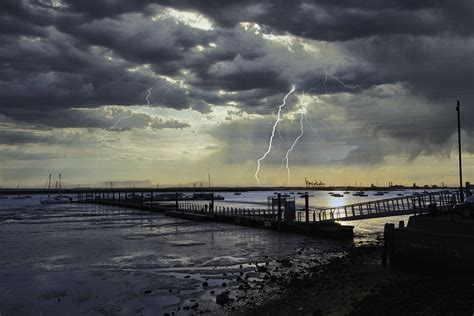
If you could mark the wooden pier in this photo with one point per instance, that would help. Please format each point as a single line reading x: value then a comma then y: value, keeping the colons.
x: 277, y: 218
x: 320, y: 221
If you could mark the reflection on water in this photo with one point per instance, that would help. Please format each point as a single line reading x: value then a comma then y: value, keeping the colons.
x: 110, y: 260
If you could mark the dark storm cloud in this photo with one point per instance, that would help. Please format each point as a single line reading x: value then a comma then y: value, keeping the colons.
x: 341, y: 20
x: 59, y: 55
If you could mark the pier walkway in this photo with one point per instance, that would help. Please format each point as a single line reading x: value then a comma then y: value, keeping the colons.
x: 278, y: 215
x: 413, y: 204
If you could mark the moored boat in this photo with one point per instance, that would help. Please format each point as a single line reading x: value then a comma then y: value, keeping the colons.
x: 58, y: 199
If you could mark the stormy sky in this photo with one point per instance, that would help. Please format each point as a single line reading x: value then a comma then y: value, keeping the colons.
x: 169, y: 91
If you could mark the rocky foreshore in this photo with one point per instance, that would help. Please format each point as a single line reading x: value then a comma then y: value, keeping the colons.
x: 357, y: 284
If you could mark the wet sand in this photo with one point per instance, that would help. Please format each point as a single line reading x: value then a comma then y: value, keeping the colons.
x: 99, y: 260
x: 80, y: 259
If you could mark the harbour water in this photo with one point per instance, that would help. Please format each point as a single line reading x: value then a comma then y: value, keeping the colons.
x: 85, y: 258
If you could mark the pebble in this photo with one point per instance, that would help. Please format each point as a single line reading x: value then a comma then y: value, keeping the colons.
x: 222, y: 299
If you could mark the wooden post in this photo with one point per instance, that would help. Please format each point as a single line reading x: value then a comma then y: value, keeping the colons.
x: 387, y: 255
x: 279, y: 211
x: 306, y: 210
x: 212, y: 203
x: 177, y: 202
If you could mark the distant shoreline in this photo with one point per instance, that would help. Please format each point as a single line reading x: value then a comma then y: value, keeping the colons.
x: 7, y: 191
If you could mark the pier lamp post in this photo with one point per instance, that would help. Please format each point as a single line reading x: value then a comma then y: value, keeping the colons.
x: 458, y: 109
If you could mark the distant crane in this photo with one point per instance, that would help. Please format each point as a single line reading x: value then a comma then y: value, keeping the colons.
x: 316, y: 183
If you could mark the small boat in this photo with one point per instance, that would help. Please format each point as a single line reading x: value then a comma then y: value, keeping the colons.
x: 400, y: 194
x: 58, y: 199
x: 379, y: 193
x: 237, y: 193
x: 330, y: 193
x: 347, y: 192
x: 337, y: 195
x: 359, y: 193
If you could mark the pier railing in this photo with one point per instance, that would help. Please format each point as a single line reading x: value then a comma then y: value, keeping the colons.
x: 413, y: 204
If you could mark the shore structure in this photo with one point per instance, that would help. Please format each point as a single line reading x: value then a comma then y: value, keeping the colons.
x: 437, y: 240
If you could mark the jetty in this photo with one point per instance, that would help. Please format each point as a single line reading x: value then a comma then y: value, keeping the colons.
x: 414, y: 204
x: 280, y: 213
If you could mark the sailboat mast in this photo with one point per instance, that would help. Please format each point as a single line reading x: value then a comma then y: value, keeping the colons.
x: 60, y: 185
x: 49, y: 185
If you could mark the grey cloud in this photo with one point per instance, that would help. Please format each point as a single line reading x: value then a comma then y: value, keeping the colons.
x: 169, y: 124
x: 55, y: 60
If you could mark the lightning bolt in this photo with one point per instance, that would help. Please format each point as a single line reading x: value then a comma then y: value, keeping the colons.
x: 115, y: 125
x: 97, y: 154
x: 279, y: 119
x: 348, y: 86
x: 131, y: 112
x: 326, y: 79
x: 120, y: 119
x: 147, y: 96
x: 302, y: 114
x: 286, y: 160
